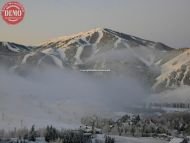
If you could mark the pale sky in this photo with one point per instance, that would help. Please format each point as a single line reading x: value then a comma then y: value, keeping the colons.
x: 166, y: 21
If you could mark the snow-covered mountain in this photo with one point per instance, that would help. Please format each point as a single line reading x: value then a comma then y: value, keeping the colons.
x: 81, y: 48
x: 103, y: 48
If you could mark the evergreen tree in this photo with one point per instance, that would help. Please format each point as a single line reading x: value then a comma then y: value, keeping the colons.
x: 32, y: 134
x: 51, y: 134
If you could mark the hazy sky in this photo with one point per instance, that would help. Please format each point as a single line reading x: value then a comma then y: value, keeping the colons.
x: 167, y: 21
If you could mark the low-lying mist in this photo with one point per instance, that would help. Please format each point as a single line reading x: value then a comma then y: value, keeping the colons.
x: 62, y: 97
x: 178, y: 95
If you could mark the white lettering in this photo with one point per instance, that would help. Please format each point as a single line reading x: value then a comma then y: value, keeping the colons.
x: 12, y: 13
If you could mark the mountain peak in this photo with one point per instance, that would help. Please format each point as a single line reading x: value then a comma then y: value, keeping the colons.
x: 102, y: 35
x: 77, y: 35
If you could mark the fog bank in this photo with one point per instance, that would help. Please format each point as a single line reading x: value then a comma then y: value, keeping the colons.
x: 61, y: 97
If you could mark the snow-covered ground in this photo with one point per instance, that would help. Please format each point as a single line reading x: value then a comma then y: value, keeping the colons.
x: 120, y: 139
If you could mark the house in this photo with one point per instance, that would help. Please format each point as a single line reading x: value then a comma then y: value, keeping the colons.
x: 89, y: 129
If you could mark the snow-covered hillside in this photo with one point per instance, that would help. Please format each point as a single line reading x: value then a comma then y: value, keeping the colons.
x: 175, y: 72
x: 10, y: 48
